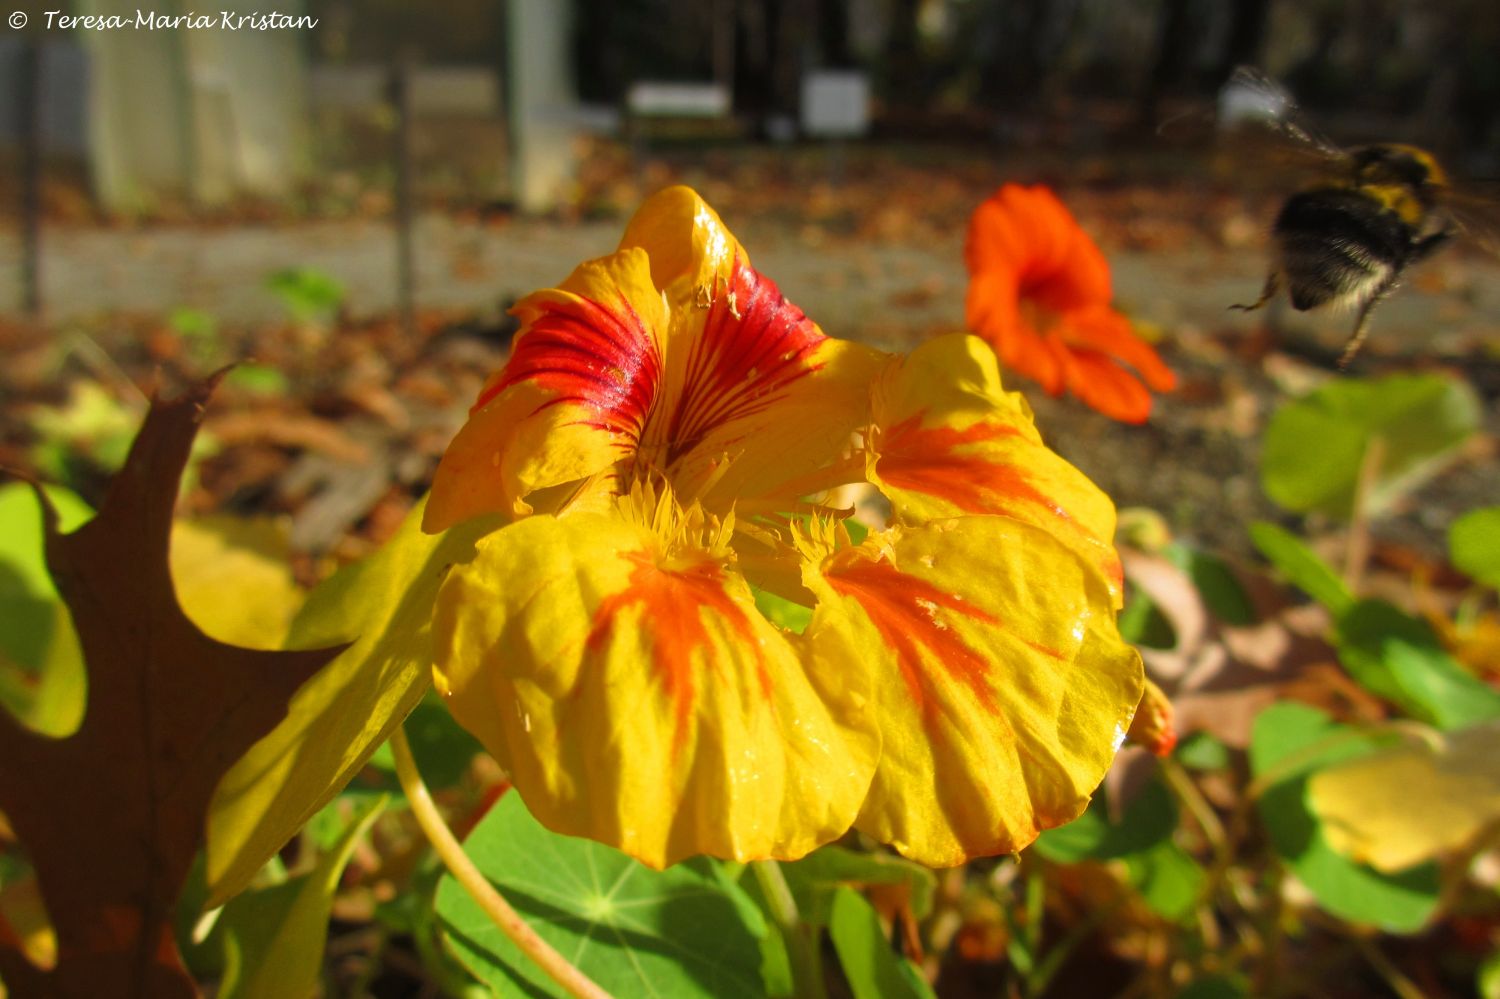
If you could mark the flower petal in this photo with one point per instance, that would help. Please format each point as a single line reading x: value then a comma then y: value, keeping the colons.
x: 1002, y: 686
x: 685, y: 239
x: 1029, y: 233
x: 1039, y: 293
x: 751, y: 377
x: 951, y: 441
x: 572, y: 399
x: 1105, y: 386
x: 640, y: 699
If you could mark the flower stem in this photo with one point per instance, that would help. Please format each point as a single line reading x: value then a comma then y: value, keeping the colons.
x: 1357, y: 553
x: 477, y: 885
x: 801, y: 939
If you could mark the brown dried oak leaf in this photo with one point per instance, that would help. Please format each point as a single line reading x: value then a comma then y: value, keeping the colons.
x: 113, y: 814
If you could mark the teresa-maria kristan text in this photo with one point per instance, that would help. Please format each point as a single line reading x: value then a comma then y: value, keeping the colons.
x: 147, y: 20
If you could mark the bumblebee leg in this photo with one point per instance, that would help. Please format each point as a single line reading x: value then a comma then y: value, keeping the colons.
x: 1420, y: 249
x: 1273, y: 283
x: 1362, y: 321
x: 1424, y: 247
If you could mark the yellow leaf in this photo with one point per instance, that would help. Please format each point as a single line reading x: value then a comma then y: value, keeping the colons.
x: 1414, y: 802
x: 233, y: 579
x: 339, y: 717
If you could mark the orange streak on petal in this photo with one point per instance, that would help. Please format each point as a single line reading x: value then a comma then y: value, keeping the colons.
x: 905, y: 610
x: 672, y: 602
x: 924, y: 460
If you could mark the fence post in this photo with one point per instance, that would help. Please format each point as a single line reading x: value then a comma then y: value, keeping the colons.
x: 30, y: 71
x: 406, y: 276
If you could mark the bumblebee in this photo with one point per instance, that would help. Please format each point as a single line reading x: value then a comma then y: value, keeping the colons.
x: 1345, y: 241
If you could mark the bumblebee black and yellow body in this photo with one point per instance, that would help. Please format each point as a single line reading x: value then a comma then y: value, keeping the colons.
x: 1346, y: 241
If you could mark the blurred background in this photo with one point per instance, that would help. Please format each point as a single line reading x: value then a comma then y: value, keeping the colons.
x: 346, y: 205
x: 343, y: 202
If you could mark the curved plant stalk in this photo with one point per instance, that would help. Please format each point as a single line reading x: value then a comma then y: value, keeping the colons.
x: 1357, y: 553
x: 801, y: 939
x: 477, y: 885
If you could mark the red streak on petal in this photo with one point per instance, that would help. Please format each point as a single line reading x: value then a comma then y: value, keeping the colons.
x: 754, y: 345
x: 905, y: 610
x: 672, y: 602
x: 603, y: 360
x: 925, y: 460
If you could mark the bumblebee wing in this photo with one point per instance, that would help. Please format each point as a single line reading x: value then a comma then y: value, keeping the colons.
x: 1474, y: 211
x: 1251, y: 100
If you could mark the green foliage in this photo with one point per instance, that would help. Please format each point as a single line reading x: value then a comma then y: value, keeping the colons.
x: 442, y: 748
x: 91, y: 426
x: 817, y: 877
x: 1290, y: 742
x: 1315, y: 446
x: 872, y: 968
x: 273, y: 938
x: 1148, y: 820
x: 1201, y: 751
x: 1168, y: 878
x: 780, y: 611
x: 1215, y: 583
x: 259, y: 379
x: 42, y: 677
x: 1300, y: 566
x: 193, y: 324
x: 1216, y: 987
x: 1143, y: 624
x: 1474, y: 545
x: 1399, y: 657
x: 27, y: 596
x: 307, y: 293
x: 685, y: 931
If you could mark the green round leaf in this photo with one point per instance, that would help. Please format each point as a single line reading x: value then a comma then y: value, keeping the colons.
x: 1474, y: 545
x: 685, y: 931
x: 1201, y: 751
x: 1168, y: 878
x: 1314, y: 446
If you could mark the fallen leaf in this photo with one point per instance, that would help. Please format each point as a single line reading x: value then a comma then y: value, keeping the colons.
x: 1432, y: 796
x: 113, y: 814
x: 288, y: 430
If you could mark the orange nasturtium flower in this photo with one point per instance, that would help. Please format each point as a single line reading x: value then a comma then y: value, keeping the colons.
x: 663, y: 440
x: 1039, y: 292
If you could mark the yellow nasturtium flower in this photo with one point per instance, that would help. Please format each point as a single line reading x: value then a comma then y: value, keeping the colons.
x: 664, y: 439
